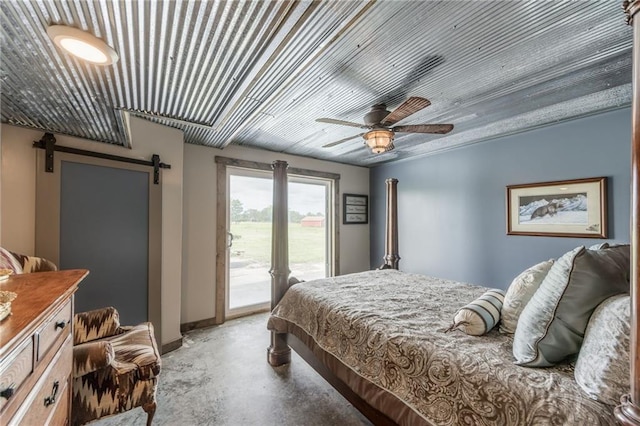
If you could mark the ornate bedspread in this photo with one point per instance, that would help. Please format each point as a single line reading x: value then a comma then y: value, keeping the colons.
x: 388, y: 327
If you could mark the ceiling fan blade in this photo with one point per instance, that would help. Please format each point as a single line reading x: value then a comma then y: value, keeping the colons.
x: 341, y: 122
x: 329, y: 145
x: 424, y: 128
x: 408, y: 107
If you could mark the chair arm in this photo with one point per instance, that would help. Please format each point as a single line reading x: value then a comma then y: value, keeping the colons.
x: 91, y: 356
x: 34, y: 263
x: 96, y: 324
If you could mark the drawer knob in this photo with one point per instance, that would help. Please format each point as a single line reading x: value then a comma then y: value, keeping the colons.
x: 60, y: 324
x: 8, y: 392
x: 51, y: 399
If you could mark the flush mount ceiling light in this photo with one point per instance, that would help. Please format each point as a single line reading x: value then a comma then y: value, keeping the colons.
x: 379, y: 140
x: 82, y: 44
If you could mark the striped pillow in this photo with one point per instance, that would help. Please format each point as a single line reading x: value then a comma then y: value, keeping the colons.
x: 481, y: 315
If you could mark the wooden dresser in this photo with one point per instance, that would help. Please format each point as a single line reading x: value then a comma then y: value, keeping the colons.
x: 36, y: 349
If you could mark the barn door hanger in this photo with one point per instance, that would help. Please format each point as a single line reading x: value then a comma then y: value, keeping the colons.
x: 48, y: 144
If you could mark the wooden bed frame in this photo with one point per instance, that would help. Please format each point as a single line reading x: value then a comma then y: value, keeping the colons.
x: 279, y: 353
x: 628, y: 412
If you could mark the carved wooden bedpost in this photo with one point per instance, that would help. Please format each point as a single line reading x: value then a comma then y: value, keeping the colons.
x: 628, y: 412
x: 391, y: 256
x: 279, y: 352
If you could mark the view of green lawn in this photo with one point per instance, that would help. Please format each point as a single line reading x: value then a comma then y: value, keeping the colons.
x: 252, y: 241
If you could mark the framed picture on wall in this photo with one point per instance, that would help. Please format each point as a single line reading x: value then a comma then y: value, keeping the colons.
x: 569, y: 208
x: 355, y: 209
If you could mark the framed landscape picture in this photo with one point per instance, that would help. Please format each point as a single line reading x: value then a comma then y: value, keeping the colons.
x: 570, y: 208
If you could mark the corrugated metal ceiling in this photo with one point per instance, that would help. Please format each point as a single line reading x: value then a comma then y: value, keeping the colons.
x: 258, y: 73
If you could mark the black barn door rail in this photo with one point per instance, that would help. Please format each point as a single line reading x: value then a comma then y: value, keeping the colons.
x: 48, y: 144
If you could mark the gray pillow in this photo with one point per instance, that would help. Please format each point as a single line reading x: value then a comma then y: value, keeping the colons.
x: 602, y: 369
x: 599, y: 246
x: 552, y: 325
x: 521, y: 290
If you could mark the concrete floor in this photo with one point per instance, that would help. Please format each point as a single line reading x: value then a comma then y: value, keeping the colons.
x: 221, y: 377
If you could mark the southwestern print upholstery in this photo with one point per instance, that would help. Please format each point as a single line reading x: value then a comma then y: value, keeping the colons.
x: 96, y: 324
x: 22, y: 264
x: 387, y: 330
x: 115, y: 368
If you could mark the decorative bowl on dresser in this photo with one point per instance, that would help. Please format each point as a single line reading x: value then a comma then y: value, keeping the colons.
x: 36, y: 348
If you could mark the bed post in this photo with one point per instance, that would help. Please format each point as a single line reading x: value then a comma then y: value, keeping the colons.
x: 628, y: 412
x: 391, y: 256
x: 279, y: 352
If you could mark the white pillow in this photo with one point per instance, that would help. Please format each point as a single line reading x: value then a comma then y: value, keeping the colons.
x: 602, y: 369
x: 481, y: 315
x: 519, y: 293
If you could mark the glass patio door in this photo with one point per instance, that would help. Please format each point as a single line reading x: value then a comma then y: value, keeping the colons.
x: 249, y: 241
x: 309, y: 228
x: 249, y: 236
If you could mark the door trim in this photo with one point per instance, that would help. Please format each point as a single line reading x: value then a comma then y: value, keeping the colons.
x: 221, y: 221
x: 47, y: 242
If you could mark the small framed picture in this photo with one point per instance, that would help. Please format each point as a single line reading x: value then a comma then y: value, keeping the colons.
x: 569, y: 208
x: 355, y: 209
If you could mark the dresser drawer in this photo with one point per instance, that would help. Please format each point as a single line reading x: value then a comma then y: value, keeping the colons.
x: 14, y: 370
x: 60, y: 416
x: 50, y: 394
x: 54, y: 327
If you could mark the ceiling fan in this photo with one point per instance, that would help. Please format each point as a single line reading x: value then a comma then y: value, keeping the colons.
x: 379, y: 136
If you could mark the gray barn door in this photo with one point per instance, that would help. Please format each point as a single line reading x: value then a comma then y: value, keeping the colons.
x: 104, y: 216
x: 104, y: 227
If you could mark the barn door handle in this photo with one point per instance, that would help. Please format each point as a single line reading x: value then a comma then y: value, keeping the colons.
x: 230, y: 239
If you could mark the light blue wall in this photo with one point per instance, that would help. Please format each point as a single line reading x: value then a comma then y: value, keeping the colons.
x: 451, y: 206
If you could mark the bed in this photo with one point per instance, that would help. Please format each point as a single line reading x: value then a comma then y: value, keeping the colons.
x: 383, y: 339
x: 384, y: 334
x: 388, y: 352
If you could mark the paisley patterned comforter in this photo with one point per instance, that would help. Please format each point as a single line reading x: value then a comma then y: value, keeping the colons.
x: 387, y: 328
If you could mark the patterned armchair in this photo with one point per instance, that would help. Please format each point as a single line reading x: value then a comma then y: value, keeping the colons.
x: 21, y: 264
x: 115, y: 368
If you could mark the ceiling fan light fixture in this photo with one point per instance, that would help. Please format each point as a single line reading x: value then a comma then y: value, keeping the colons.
x: 82, y: 44
x: 379, y: 140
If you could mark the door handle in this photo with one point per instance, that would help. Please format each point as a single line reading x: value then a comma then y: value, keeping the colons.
x: 230, y: 243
